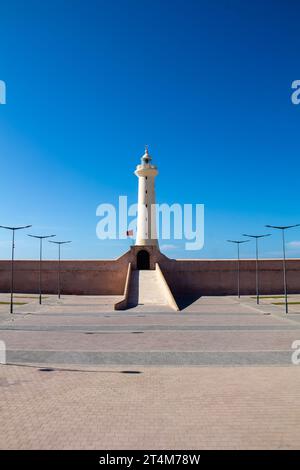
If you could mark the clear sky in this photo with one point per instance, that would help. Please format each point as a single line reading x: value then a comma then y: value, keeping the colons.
x: 206, y: 84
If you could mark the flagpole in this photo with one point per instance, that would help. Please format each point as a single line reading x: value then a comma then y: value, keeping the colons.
x: 129, y: 234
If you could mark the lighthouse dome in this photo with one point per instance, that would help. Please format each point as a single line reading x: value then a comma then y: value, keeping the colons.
x: 146, y: 157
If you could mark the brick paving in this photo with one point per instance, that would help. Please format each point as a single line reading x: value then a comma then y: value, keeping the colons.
x: 162, y: 408
x: 152, y: 340
x: 242, y: 392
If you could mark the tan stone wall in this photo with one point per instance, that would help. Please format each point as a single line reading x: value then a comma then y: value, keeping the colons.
x: 77, y: 277
x: 219, y: 277
x: 192, y: 277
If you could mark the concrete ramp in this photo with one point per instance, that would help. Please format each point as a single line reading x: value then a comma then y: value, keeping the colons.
x: 147, y: 289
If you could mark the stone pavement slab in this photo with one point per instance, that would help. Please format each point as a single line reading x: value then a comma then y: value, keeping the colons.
x: 217, y: 375
x: 160, y: 408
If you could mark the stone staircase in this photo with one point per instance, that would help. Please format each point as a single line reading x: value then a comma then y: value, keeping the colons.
x: 146, y: 289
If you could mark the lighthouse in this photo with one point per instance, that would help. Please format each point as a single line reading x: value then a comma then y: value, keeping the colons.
x: 146, y: 219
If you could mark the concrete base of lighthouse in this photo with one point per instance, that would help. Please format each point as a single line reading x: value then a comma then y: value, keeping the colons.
x: 140, y: 252
x: 145, y: 283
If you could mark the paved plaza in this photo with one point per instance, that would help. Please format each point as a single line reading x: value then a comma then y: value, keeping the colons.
x: 216, y: 375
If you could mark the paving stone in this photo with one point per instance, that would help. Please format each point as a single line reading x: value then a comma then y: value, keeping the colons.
x: 216, y: 376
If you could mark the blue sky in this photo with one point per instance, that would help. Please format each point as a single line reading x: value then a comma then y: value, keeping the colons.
x: 206, y: 85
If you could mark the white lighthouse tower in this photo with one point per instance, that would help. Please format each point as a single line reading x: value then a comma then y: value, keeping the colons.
x: 146, y: 219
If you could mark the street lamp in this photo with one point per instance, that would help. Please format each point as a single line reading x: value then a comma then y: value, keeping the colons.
x: 13, y: 229
x: 256, y: 263
x: 238, y: 242
x: 58, y: 276
x: 41, y: 238
x: 283, y: 228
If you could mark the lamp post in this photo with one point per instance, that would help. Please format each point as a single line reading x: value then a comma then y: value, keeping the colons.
x: 238, y: 243
x: 58, y: 273
x: 283, y: 228
x: 41, y: 238
x: 256, y: 262
x: 13, y: 229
